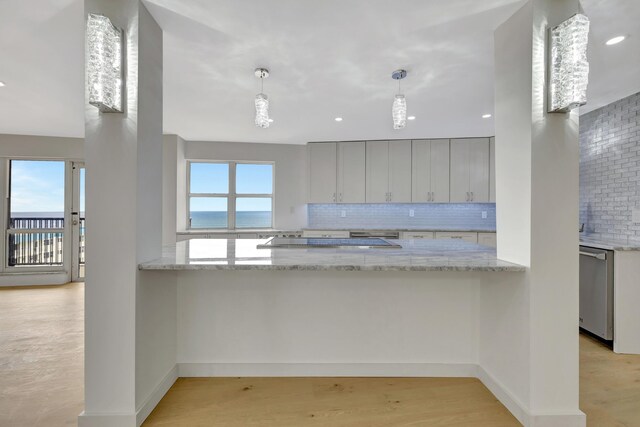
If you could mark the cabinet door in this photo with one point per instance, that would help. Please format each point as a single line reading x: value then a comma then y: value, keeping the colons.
x: 492, y: 170
x: 479, y: 169
x: 421, y: 171
x: 459, y: 190
x: 440, y: 170
x: 400, y: 171
x: 322, y: 172
x: 377, y: 174
x: 351, y: 172
x: 487, y: 239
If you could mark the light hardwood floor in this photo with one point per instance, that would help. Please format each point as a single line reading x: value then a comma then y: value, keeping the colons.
x: 41, y: 383
x: 41, y: 355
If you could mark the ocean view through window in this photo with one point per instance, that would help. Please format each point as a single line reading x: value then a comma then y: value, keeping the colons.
x: 230, y: 195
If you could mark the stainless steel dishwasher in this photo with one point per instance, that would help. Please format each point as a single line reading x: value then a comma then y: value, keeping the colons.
x: 596, y: 291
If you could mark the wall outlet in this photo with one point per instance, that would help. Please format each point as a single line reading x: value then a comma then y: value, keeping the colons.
x: 635, y: 215
x: 343, y: 214
x: 412, y: 213
x: 484, y: 214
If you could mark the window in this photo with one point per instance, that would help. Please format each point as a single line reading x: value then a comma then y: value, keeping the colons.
x: 230, y: 195
x: 36, y: 213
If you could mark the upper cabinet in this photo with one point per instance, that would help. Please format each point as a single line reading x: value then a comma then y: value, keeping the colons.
x: 322, y: 172
x: 402, y: 171
x: 351, y: 172
x: 492, y: 170
x: 388, y: 171
x: 430, y: 171
x: 469, y: 170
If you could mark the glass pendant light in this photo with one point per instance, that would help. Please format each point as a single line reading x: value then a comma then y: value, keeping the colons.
x: 399, y: 109
x: 262, y: 101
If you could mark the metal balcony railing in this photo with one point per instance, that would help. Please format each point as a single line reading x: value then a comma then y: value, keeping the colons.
x: 42, y: 242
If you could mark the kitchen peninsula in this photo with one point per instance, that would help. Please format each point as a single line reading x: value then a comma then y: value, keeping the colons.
x: 409, y: 311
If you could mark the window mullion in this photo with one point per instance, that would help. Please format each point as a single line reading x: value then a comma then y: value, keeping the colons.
x: 231, y: 201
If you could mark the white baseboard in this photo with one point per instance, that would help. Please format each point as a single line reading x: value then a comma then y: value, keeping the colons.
x: 522, y: 413
x: 33, y: 278
x: 106, y: 420
x: 327, y: 369
x: 156, y: 395
x: 519, y: 410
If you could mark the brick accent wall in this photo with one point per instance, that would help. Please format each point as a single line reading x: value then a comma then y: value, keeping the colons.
x: 610, y: 169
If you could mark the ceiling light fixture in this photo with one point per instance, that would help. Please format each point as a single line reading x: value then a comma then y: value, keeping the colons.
x: 338, y: 119
x: 568, y: 64
x: 261, y: 101
x: 411, y: 118
x: 399, y: 108
x: 486, y: 116
x: 615, y: 40
x: 105, y: 64
x: 2, y: 84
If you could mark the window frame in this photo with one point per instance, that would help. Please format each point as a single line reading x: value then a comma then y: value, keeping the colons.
x: 232, y: 195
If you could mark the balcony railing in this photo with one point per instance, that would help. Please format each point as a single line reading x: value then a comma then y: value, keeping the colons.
x: 41, y: 243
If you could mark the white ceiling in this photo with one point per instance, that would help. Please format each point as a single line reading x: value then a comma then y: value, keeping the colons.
x: 327, y: 58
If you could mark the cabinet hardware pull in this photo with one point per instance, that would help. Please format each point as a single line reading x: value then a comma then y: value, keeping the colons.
x: 472, y: 196
x: 467, y: 196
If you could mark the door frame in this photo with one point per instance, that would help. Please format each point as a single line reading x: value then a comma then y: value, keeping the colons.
x: 74, y: 221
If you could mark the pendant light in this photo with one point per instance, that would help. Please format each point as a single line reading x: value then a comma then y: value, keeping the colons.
x: 262, y: 101
x: 399, y: 109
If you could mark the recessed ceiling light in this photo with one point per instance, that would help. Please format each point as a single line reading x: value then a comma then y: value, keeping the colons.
x: 615, y: 40
x: 486, y: 116
x: 270, y: 120
x: 2, y: 84
x: 338, y: 119
x: 411, y: 118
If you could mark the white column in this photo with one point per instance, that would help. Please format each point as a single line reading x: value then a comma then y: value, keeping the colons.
x: 123, y: 157
x: 529, y: 324
x: 174, y: 188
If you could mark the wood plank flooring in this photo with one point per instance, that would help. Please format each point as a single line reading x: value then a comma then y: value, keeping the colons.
x: 41, y: 355
x: 41, y: 383
x: 289, y: 402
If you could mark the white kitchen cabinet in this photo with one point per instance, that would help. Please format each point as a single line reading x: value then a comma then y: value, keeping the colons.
x: 388, y: 171
x: 487, y: 239
x: 351, y: 172
x: 322, y: 172
x: 416, y: 235
x: 400, y: 171
x: 466, y: 236
x: 336, y: 234
x: 469, y: 170
x: 430, y: 171
x: 492, y: 170
x: 377, y: 175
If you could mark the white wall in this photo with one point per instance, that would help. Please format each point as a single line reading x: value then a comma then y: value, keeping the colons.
x: 290, y: 174
x: 42, y: 147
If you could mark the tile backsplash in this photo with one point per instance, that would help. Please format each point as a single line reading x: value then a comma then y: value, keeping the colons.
x: 610, y: 169
x: 443, y: 216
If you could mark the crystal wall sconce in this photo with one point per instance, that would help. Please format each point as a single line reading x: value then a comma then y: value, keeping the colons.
x: 568, y: 64
x: 105, y: 64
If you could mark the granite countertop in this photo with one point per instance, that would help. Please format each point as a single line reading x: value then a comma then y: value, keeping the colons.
x: 435, y: 229
x: 237, y: 231
x: 609, y: 244
x: 415, y: 255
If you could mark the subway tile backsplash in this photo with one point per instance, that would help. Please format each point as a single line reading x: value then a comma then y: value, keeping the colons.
x: 610, y: 169
x: 442, y: 216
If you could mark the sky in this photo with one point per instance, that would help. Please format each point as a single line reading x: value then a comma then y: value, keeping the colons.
x: 38, y: 186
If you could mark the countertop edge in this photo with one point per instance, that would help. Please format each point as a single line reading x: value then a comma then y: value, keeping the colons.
x: 319, y: 267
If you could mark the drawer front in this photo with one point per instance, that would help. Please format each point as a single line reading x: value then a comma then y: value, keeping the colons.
x: 336, y: 234
x: 416, y: 235
x: 467, y: 237
x: 487, y: 239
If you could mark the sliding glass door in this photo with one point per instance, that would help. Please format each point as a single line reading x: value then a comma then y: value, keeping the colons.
x: 36, y: 215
